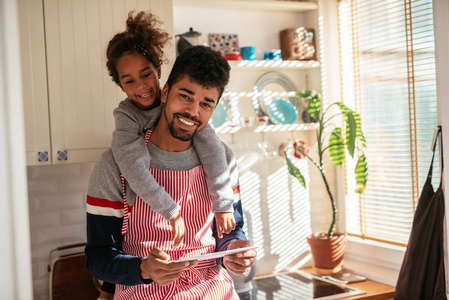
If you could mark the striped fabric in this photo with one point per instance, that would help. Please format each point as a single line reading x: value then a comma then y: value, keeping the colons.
x: 104, y: 207
x: 147, y: 229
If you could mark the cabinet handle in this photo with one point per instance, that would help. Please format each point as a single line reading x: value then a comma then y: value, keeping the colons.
x: 62, y: 155
x: 42, y: 156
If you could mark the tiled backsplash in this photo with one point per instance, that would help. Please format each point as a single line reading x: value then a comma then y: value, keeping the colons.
x: 57, y: 196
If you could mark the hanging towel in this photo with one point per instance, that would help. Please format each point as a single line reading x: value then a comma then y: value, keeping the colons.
x: 422, y: 275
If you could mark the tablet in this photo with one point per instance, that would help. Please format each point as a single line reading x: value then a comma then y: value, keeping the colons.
x: 215, y: 254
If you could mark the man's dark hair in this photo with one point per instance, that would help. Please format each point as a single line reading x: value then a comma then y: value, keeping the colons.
x: 204, y: 66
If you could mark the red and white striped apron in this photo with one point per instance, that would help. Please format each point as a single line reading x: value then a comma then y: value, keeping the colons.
x: 145, y: 229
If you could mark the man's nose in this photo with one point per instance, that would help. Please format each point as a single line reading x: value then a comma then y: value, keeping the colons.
x: 193, y: 108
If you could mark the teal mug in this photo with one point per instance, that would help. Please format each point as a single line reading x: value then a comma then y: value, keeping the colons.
x: 248, y: 53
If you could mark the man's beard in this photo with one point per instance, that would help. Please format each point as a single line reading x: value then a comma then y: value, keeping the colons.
x: 180, y: 134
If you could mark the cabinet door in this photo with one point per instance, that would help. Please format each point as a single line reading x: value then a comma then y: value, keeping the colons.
x: 81, y: 94
x: 34, y: 82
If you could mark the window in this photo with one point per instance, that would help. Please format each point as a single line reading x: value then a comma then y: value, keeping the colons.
x: 387, y: 64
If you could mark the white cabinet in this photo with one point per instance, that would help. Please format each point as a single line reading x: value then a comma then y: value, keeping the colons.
x: 68, y: 95
x: 34, y: 81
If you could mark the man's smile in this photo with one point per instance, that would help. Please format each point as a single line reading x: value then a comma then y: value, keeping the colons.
x: 186, y: 122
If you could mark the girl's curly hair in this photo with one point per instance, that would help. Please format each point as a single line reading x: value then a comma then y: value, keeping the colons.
x: 143, y: 36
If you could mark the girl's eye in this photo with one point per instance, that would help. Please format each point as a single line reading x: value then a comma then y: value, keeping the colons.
x: 146, y: 75
x: 129, y: 81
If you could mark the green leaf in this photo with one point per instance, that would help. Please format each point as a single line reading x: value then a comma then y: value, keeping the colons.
x: 359, y: 133
x: 351, y: 132
x: 294, y: 170
x: 307, y: 93
x: 336, y: 147
x: 314, y: 107
x: 344, y: 109
x: 361, y: 174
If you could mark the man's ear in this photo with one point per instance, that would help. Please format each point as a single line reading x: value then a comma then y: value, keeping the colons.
x: 164, y: 94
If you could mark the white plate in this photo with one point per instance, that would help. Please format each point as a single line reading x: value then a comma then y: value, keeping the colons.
x: 215, y: 254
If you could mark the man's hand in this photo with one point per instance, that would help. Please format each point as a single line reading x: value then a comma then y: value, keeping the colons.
x: 158, y: 267
x: 241, y: 262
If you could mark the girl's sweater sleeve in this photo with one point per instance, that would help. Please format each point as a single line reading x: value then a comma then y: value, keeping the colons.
x: 212, y: 156
x: 133, y: 158
x: 222, y: 244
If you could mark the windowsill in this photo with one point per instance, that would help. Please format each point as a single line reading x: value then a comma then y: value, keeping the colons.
x: 376, y: 261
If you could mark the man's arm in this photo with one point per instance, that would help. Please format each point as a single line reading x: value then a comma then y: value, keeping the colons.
x: 104, y: 256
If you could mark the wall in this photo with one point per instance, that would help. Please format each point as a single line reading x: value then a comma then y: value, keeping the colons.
x: 57, y: 197
x: 441, y: 21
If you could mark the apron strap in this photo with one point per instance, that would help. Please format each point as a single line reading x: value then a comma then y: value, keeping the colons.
x: 125, y: 207
x: 439, y: 135
x: 125, y: 201
x: 441, y: 156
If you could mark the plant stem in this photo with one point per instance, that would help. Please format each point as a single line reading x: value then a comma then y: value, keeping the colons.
x: 320, y: 141
x: 334, y: 207
x: 330, y: 233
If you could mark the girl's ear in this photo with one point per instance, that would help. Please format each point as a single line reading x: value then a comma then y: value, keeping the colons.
x: 164, y: 94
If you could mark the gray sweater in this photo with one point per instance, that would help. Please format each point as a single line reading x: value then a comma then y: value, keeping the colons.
x: 133, y: 159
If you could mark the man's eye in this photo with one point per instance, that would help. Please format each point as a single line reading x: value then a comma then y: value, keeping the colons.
x: 184, y: 96
x: 207, y: 105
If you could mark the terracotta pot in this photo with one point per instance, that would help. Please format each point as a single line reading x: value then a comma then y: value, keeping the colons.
x: 327, y: 252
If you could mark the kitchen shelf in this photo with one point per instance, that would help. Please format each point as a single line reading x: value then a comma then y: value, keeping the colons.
x: 227, y: 129
x: 264, y: 5
x: 273, y: 64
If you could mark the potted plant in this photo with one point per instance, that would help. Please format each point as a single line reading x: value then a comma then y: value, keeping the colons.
x: 334, y: 141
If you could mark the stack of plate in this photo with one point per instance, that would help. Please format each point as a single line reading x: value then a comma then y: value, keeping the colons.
x: 273, y: 98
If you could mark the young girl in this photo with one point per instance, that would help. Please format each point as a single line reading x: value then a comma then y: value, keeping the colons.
x: 134, y: 59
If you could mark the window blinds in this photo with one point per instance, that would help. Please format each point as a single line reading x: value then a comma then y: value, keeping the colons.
x: 388, y: 75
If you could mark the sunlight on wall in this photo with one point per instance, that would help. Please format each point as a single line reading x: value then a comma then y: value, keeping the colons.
x: 276, y: 209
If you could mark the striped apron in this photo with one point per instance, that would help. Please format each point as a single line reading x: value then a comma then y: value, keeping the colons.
x: 145, y: 229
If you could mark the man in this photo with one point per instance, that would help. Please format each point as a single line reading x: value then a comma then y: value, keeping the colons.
x: 140, y: 262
